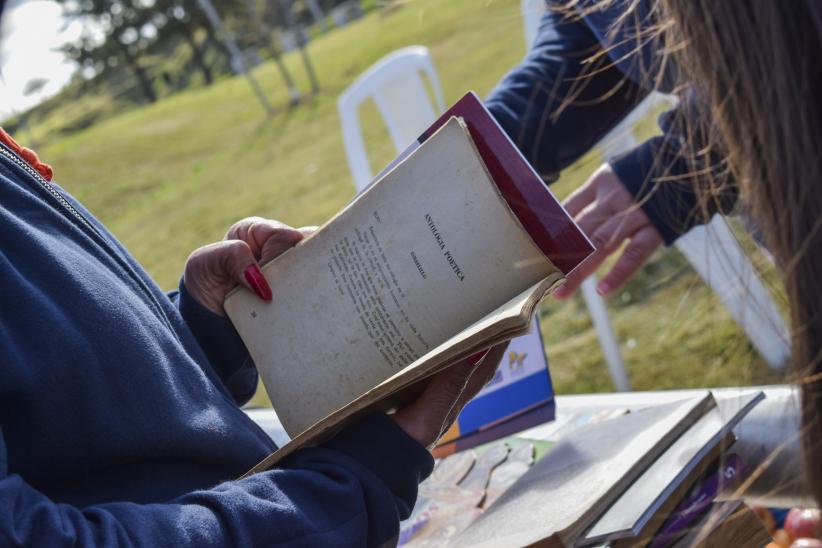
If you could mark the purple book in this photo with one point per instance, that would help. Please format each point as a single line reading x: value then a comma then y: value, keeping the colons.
x: 691, y: 509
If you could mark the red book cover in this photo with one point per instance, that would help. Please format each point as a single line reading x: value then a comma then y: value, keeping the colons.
x: 539, y: 212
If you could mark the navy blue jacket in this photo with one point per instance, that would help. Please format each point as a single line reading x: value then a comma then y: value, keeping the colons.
x: 119, y: 417
x: 557, y: 104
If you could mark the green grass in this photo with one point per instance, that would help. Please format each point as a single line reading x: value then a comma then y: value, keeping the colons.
x: 172, y: 176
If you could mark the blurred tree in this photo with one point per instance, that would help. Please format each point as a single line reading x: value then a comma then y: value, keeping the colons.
x: 182, y: 19
x: 142, y: 34
x: 259, y: 25
x: 125, y: 26
x: 289, y: 10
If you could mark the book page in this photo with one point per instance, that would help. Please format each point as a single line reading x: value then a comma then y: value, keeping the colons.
x: 427, y: 251
x: 508, y: 321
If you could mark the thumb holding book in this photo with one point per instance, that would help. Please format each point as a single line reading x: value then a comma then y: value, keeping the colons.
x: 215, y: 269
x: 428, y: 417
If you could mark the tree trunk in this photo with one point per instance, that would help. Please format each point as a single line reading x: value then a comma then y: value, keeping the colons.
x: 217, y: 42
x: 293, y: 92
x: 140, y: 73
x: 294, y: 26
x: 197, y: 54
x: 309, y: 67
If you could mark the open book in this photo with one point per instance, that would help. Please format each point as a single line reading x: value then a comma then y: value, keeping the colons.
x: 624, y: 482
x: 448, y: 253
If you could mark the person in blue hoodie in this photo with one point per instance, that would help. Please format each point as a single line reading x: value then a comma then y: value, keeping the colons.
x: 591, y: 63
x: 120, y: 422
x: 119, y: 403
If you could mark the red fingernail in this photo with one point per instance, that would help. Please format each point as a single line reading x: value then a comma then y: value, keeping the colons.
x: 476, y: 358
x: 257, y: 281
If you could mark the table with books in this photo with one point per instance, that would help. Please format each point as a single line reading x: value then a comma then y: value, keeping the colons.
x: 629, y: 469
x: 635, y: 469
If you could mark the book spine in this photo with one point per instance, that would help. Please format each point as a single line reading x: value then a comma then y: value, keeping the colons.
x: 539, y: 212
x: 690, y: 509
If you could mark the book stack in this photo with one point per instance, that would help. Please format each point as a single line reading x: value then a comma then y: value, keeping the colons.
x: 647, y: 478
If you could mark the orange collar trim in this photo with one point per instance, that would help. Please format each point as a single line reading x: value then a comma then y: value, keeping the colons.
x: 28, y: 155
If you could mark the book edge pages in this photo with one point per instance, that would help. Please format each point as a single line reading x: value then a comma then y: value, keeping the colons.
x: 724, y: 427
x: 644, y: 536
x: 703, y: 423
x: 478, y: 335
x: 701, y: 407
x: 696, y: 407
x: 748, y: 401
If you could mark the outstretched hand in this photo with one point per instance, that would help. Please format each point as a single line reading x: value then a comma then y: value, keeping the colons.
x: 607, y: 213
x: 214, y: 270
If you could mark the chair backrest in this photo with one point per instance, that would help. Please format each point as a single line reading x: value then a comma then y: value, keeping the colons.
x: 395, y: 84
x: 532, y: 11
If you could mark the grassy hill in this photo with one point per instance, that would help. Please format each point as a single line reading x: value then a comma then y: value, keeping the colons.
x: 173, y: 176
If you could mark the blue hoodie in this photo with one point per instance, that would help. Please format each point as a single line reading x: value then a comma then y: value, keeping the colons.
x: 557, y: 104
x: 119, y: 417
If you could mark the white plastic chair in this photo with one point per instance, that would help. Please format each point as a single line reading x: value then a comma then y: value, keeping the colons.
x: 395, y: 84
x: 712, y: 250
x: 532, y: 11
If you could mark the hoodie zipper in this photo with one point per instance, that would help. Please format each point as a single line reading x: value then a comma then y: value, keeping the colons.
x: 95, y: 234
x: 48, y: 186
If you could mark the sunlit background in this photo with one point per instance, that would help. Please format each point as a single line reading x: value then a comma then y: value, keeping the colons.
x: 162, y: 140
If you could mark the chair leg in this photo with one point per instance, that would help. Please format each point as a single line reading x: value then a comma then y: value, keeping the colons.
x: 715, y: 254
x: 605, y: 334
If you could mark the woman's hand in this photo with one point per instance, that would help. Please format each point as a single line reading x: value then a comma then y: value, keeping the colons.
x: 607, y: 213
x: 214, y: 270
x: 428, y: 417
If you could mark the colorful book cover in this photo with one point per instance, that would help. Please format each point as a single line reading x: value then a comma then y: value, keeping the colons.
x: 519, y: 396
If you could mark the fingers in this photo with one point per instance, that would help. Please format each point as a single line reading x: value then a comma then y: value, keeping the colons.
x: 476, y: 375
x: 581, y: 197
x: 213, y: 270
x: 266, y: 238
x: 579, y: 274
x: 482, y: 373
x: 644, y: 240
x: 237, y: 262
x: 636, y: 253
x: 232, y: 262
x: 307, y: 231
x: 591, y: 222
x: 606, y: 212
x: 428, y: 417
x: 611, y: 233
